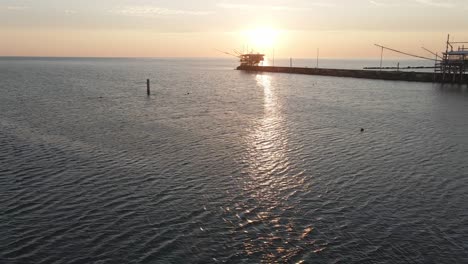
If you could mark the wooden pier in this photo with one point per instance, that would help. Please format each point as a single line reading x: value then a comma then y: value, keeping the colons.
x: 364, y: 74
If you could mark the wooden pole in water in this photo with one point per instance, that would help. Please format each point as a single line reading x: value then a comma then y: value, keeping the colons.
x: 381, y: 58
x: 318, y: 51
x: 148, y: 92
x: 273, y: 56
x: 445, y: 59
x: 290, y: 62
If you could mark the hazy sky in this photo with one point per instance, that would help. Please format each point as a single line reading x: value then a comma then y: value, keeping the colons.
x: 182, y: 28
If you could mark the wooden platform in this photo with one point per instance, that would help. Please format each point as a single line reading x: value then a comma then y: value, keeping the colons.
x: 364, y: 74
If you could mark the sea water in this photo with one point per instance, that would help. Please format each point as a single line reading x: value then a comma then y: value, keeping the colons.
x: 225, y: 166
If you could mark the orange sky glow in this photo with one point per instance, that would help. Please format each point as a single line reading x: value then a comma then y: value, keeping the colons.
x: 123, y: 28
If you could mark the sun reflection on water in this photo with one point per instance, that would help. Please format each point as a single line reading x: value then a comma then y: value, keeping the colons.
x: 269, y: 186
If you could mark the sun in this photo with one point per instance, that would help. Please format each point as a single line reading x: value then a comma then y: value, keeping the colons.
x: 261, y: 38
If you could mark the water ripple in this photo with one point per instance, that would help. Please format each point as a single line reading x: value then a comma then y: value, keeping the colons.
x: 226, y: 166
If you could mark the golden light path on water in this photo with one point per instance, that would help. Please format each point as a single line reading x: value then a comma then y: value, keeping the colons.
x: 271, y: 183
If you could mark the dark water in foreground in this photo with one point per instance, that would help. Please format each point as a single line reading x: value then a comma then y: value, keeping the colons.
x: 226, y: 166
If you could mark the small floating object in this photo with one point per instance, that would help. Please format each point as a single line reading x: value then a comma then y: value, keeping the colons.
x: 362, y: 129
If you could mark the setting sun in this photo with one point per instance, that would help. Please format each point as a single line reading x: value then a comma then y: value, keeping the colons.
x: 261, y: 39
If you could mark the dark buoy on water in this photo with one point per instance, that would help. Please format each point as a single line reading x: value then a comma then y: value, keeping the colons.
x: 362, y: 129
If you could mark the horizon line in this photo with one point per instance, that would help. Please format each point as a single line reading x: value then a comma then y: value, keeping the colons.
x: 200, y: 57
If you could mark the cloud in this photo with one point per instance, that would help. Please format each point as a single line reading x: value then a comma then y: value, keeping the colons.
x: 383, y: 3
x: 14, y: 8
x: 275, y: 8
x: 432, y: 3
x: 156, y: 11
x: 436, y: 3
x: 70, y: 12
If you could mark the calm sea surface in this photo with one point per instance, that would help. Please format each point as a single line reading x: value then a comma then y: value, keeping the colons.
x: 222, y: 166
